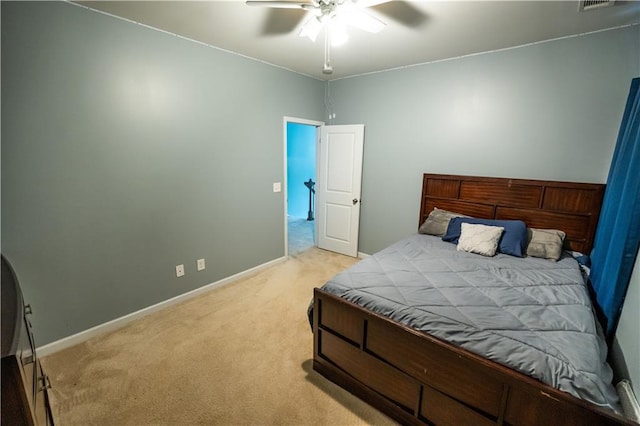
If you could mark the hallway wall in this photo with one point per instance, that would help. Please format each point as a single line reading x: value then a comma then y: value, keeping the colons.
x: 301, y: 166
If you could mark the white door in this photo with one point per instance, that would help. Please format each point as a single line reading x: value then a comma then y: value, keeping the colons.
x: 339, y: 177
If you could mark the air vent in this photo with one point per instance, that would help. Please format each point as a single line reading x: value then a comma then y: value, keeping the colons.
x: 586, y: 5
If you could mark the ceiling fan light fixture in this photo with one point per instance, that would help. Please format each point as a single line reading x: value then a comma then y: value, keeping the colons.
x: 338, y: 32
x: 364, y: 21
x: 311, y: 28
x: 334, y: 16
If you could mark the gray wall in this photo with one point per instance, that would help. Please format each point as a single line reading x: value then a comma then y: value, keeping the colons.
x: 545, y: 111
x: 127, y: 151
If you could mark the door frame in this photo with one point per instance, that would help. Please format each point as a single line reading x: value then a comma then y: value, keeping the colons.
x: 296, y: 120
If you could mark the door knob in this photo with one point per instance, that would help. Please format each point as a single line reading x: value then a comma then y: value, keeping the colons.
x: 355, y: 201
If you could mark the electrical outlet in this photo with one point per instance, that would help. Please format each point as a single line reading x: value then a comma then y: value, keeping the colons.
x: 277, y: 187
x: 179, y: 270
x: 200, y: 264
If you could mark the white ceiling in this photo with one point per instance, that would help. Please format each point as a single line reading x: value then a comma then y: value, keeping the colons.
x: 416, y: 32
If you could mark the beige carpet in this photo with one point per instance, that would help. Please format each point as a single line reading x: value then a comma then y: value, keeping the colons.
x: 238, y: 355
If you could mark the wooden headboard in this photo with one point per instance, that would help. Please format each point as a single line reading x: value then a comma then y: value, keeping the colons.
x: 569, y: 206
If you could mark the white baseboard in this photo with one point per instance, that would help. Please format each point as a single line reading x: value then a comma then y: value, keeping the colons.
x: 363, y: 255
x: 82, y: 336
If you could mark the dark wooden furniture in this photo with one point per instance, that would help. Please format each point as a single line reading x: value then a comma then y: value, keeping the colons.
x: 416, y: 378
x: 25, y: 398
x: 569, y: 206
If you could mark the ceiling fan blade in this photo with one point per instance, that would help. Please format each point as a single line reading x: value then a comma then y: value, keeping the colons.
x: 281, y: 4
x: 369, y: 3
x: 402, y: 12
x: 282, y: 21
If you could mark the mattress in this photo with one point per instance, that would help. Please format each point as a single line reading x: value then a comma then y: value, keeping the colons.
x: 533, y: 315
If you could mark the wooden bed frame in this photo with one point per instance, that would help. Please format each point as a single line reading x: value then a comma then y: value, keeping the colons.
x: 418, y: 379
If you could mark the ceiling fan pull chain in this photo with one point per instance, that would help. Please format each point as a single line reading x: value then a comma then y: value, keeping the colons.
x: 327, y: 68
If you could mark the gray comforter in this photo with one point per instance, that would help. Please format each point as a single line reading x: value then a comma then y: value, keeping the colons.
x: 531, y: 314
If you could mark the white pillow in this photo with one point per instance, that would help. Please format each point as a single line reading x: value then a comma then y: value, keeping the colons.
x: 480, y: 239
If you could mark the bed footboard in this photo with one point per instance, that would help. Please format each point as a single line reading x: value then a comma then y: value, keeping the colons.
x: 417, y: 379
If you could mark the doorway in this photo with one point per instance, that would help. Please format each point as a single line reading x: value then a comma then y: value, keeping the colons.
x: 300, y: 165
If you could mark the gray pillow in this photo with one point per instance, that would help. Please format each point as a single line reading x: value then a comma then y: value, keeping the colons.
x: 545, y: 243
x: 437, y: 222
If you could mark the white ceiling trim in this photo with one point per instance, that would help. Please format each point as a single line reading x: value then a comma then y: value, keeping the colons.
x: 189, y: 39
x: 487, y: 52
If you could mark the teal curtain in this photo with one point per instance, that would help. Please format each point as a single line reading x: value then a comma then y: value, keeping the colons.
x: 618, y: 233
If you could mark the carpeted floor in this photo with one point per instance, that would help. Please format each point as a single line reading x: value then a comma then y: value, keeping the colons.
x: 300, y: 234
x: 238, y: 355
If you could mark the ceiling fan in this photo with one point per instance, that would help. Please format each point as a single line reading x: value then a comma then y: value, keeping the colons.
x: 335, y: 16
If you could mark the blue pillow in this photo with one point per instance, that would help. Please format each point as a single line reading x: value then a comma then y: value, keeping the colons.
x: 513, y: 240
